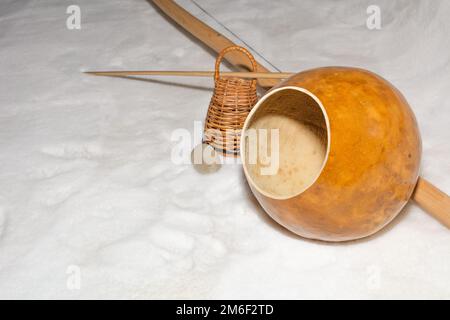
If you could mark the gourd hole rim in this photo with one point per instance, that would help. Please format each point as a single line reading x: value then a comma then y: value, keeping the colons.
x: 249, y: 119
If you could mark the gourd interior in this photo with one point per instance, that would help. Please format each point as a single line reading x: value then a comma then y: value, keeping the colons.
x: 287, y: 168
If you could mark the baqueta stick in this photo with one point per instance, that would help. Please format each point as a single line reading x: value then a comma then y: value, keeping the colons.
x: 248, y: 75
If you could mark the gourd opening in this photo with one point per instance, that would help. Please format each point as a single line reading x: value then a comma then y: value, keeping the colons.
x: 285, y: 143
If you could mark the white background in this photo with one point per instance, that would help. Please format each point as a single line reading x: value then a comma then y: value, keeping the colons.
x: 86, y: 178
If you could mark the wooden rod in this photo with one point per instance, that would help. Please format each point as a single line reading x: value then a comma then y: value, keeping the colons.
x: 210, y: 37
x: 248, y: 75
x: 433, y: 201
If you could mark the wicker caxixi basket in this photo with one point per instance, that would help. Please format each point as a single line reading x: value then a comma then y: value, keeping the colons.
x: 232, y: 100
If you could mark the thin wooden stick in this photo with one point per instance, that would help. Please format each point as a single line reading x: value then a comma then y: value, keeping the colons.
x: 249, y: 75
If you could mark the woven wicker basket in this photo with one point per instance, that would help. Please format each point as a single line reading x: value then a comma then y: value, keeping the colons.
x: 232, y: 100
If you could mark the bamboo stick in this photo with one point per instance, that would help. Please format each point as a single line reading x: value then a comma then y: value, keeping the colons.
x: 248, y: 75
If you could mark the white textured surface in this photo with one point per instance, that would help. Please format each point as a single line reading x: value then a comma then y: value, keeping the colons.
x: 86, y: 177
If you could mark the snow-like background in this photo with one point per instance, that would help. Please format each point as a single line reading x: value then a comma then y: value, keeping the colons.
x: 87, y: 182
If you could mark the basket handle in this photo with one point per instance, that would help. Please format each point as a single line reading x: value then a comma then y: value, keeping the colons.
x: 233, y: 48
